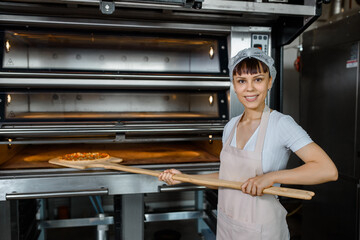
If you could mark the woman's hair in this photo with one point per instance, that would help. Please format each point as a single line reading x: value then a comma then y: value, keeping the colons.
x: 250, y: 66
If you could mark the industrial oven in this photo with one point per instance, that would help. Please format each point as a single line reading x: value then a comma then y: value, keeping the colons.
x: 145, y: 81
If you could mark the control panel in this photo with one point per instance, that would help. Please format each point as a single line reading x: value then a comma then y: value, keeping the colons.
x: 260, y: 41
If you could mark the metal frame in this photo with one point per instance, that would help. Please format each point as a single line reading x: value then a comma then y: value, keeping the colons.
x: 45, y: 183
x: 223, y: 6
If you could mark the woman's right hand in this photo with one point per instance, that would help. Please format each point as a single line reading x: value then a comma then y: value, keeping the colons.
x: 167, y: 176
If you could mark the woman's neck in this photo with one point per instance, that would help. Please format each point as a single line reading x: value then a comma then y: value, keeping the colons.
x: 253, y: 114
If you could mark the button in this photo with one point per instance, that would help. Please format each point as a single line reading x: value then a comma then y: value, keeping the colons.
x: 260, y: 37
x: 255, y: 37
x: 265, y: 37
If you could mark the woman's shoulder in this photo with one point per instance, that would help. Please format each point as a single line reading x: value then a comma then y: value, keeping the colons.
x: 280, y: 119
x: 229, y: 126
x: 288, y: 131
x: 231, y: 123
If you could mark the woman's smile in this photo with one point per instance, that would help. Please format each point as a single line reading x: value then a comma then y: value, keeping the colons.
x: 251, y: 98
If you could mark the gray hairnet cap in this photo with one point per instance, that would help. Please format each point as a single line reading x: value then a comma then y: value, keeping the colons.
x: 253, y: 53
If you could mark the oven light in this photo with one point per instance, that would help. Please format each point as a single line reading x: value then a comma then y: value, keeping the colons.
x: 9, y: 99
x: 7, y: 46
x: 9, y: 140
x: 211, y: 53
x: 210, y: 138
x: 211, y: 100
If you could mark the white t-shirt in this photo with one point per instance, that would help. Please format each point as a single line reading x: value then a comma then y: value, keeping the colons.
x: 283, y: 135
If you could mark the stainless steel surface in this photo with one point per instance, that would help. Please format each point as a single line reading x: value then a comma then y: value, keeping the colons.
x: 126, y: 133
x: 19, y: 183
x: 113, y: 76
x: 264, y: 8
x: 76, y: 222
x: 329, y: 111
x: 106, y: 84
x: 133, y: 216
x: 173, y: 216
x: 110, y: 25
x: 180, y: 188
x: 32, y: 195
x: 223, y: 6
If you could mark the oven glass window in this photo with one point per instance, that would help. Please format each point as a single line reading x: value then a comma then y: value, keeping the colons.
x: 120, y: 53
x: 42, y: 106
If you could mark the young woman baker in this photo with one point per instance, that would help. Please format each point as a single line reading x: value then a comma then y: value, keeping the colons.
x: 256, y: 149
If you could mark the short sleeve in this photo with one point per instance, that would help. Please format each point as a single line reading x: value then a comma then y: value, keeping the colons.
x: 292, y: 136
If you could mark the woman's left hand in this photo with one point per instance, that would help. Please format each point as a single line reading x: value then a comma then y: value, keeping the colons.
x: 255, y: 186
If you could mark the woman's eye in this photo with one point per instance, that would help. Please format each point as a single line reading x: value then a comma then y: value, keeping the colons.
x: 241, y: 81
x: 258, y: 79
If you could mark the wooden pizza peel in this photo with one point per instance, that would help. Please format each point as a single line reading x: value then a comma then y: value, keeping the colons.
x: 112, y: 163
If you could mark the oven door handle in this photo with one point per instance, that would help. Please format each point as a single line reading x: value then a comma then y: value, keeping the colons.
x: 17, y: 196
x: 165, y: 188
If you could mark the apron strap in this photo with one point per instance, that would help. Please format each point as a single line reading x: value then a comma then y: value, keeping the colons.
x: 228, y: 141
x: 262, y: 129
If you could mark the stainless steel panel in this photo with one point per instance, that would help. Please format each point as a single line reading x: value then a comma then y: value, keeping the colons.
x: 76, y: 222
x: 117, y: 84
x: 17, y: 196
x: 133, y: 216
x: 56, y: 22
x: 180, y: 188
x: 97, y: 76
x: 223, y: 6
x: 173, y: 216
x: 258, y: 7
x: 70, y: 180
x: 329, y: 111
x: 329, y: 97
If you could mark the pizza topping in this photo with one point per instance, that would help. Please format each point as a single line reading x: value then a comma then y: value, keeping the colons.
x: 84, y: 156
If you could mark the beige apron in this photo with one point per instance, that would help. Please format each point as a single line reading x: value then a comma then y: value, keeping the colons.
x: 240, y: 215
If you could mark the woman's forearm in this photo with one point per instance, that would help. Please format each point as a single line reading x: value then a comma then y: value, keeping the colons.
x: 308, y: 174
x: 318, y: 168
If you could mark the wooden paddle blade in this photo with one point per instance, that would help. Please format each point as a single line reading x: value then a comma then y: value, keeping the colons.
x: 64, y: 164
x: 83, y: 164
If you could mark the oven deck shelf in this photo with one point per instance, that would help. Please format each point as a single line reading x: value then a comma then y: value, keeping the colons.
x: 21, y: 179
x: 37, y: 156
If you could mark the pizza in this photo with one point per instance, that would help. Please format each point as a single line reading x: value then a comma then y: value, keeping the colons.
x: 85, y: 156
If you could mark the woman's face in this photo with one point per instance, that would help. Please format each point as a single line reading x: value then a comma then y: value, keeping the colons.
x: 251, y: 89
